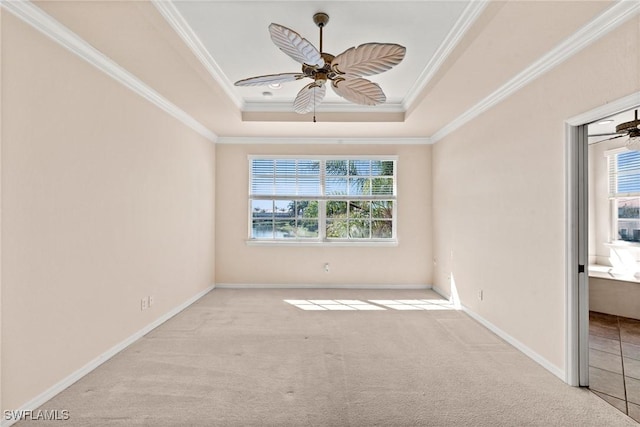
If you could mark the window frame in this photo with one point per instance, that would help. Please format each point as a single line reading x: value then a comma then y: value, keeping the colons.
x: 615, y: 196
x: 323, y: 199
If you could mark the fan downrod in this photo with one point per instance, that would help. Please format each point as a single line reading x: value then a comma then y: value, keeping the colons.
x: 321, y: 20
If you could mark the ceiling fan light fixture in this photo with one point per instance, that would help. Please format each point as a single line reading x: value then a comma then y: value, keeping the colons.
x: 631, y: 128
x: 345, y: 71
x: 633, y: 143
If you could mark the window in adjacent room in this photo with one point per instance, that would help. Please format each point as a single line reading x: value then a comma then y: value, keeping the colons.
x: 322, y: 199
x: 624, y: 193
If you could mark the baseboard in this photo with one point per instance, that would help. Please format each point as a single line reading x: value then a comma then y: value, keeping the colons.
x: 39, y: 400
x: 560, y: 373
x: 444, y: 294
x: 318, y: 286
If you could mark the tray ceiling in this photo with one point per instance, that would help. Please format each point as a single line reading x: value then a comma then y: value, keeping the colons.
x: 237, y: 43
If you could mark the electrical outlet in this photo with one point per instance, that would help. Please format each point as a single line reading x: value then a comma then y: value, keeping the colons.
x: 326, y: 267
x: 151, y: 301
x: 144, y: 304
x: 480, y: 294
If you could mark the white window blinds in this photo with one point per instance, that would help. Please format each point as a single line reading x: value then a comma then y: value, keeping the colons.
x: 322, y: 198
x: 285, y: 177
x: 624, y: 173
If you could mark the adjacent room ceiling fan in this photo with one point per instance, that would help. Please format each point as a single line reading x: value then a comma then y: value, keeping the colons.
x: 631, y: 129
x: 345, y: 71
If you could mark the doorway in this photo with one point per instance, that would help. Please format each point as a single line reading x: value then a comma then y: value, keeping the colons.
x: 614, y: 251
x: 589, y: 356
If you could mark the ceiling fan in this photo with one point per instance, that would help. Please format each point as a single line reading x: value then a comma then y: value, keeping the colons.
x: 345, y: 71
x: 631, y: 129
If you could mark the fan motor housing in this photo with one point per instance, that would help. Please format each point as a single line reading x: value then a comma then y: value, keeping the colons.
x: 311, y: 71
x: 631, y: 127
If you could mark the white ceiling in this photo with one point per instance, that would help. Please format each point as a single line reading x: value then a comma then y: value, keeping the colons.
x: 236, y: 38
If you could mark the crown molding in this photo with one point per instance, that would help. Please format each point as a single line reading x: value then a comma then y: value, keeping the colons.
x: 325, y: 117
x: 324, y: 107
x: 38, y: 19
x: 617, y: 14
x: 306, y: 140
x: 609, y: 20
x: 468, y: 17
x: 175, y: 19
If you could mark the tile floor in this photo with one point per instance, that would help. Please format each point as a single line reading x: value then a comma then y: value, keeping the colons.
x: 614, y: 361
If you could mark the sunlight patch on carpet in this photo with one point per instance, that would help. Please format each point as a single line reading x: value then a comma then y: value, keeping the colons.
x: 317, y: 304
x: 381, y: 304
x: 414, y: 304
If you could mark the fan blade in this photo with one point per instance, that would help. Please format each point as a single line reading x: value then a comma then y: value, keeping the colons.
x: 606, y: 134
x: 604, y: 140
x: 295, y: 46
x: 269, y: 79
x: 615, y: 137
x: 359, y: 91
x: 368, y: 59
x: 308, y: 97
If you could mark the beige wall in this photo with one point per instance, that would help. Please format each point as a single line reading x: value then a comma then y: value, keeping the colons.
x: 499, y: 194
x: 105, y: 199
x: 407, y: 264
x: 1, y: 109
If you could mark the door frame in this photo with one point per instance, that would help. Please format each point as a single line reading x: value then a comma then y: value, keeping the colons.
x: 577, y: 236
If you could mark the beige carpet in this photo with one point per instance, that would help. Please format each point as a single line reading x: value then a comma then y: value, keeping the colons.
x: 247, y: 358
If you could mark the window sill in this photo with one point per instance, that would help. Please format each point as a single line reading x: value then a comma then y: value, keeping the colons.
x: 623, y: 244
x: 341, y: 243
x: 606, y: 272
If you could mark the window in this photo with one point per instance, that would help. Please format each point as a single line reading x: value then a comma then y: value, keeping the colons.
x: 322, y: 199
x: 624, y: 193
